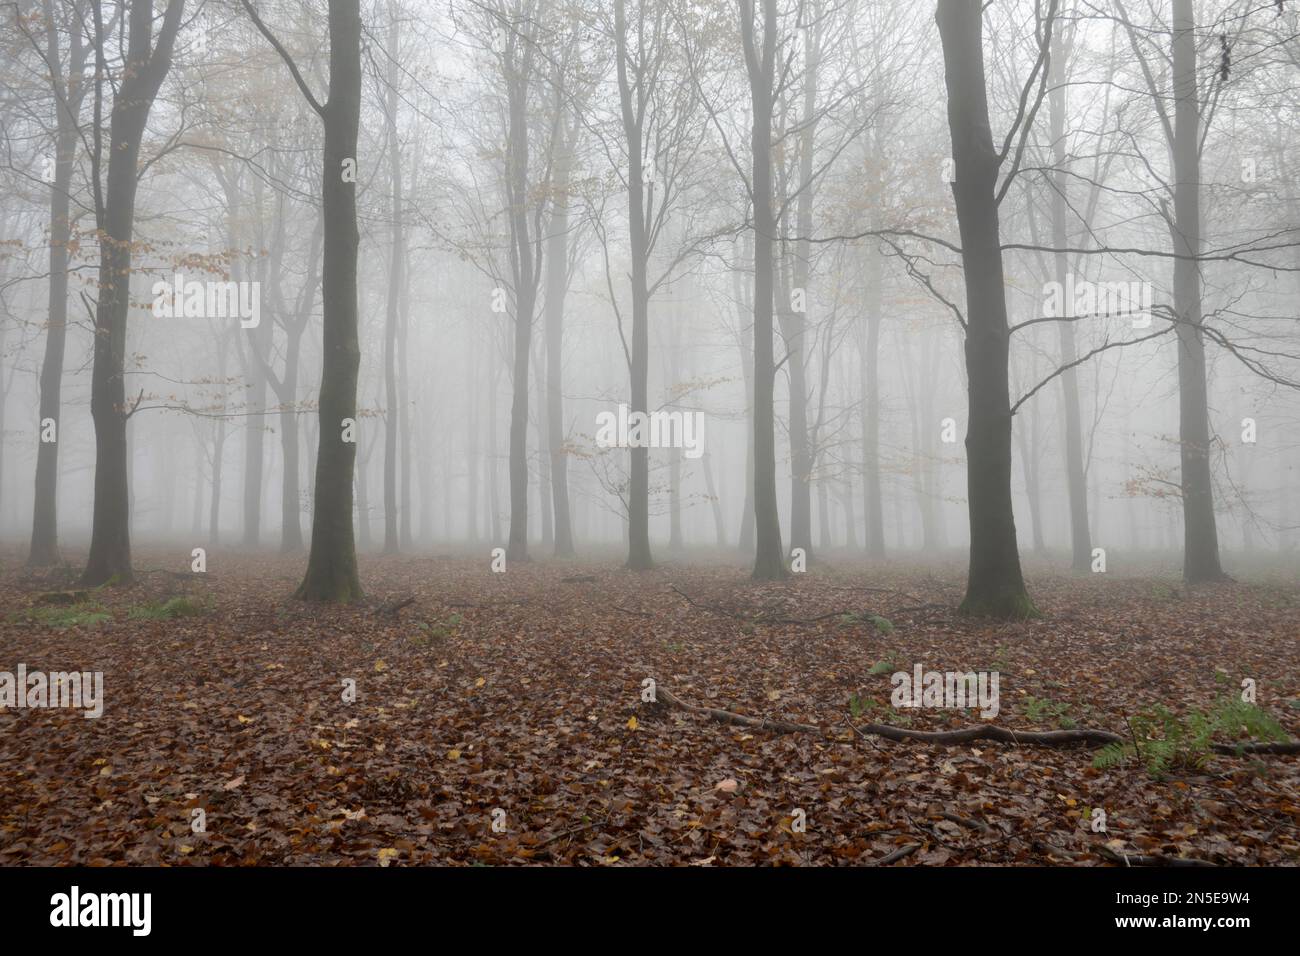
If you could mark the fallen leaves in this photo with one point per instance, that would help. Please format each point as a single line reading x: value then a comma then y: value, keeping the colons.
x: 530, y: 702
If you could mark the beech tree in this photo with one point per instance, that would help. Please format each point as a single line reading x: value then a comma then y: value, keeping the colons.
x: 332, y: 562
x: 68, y: 86
x: 661, y: 135
x: 143, y: 70
x: 995, y: 585
x: 760, y: 44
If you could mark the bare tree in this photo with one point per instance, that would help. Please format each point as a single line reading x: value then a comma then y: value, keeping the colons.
x: 143, y: 71
x: 332, y: 563
x: 67, y: 83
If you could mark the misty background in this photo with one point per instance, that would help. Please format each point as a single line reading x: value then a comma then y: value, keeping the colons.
x: 224, y: 428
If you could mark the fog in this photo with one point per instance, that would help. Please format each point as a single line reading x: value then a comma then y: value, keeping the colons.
x: 570, y: 191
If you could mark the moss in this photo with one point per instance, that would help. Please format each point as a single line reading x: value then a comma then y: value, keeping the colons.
x: 167, y: 610
x: 335, y: 585
x: 1007, y: 605
x: 87, y: 614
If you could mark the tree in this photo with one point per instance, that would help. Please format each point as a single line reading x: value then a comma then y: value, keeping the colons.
x: 557, y: 281
x: 518, y: 62
x: 995, y: 585
x: 660, y: 137
x: 69, y: 89
x: 1183, y: 135
x: 145, y: 67
x: 1076, y: 479
x: 793, y: 321
x: 396, y: 281
x: 332, y: 562
x: 760, y: 66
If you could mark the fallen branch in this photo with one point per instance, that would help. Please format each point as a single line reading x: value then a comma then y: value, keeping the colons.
x: 1142, y: 859
x: 393, y: 608
x: 628, y: 610
x: 665, y: 696
x: 962, y: 821
x: 1026, y: 738
x: 761, y: 618
x: 897, y: 855
x: 1052, y: 848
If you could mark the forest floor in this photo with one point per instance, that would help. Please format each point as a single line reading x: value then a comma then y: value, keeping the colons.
x: 522, y: 692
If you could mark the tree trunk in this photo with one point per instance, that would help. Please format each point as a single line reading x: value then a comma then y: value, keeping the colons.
x: 142, y: 75
x: 872, y: 499
x: 744, y: 317
x: 557, y: 282
x: 638, y: 532
x: 332, y: 563
x: 719, y: 524
x: 474, y: 463
x: 850, y: 520
x: 1076, y: 480
x: 290, y: 495
x: 259, y: 339
x: 769, y: 562
x: 794, y: 323
x: 995, y: 586
x: 214, y: 506
x: 363, y: 498
x: 1028, y: 446
x: 544, y: 497
x: 494, y: 495
x: 68, y: 95
x: 525, y: 299
x: 397, y: 260
x: 1200, y: 536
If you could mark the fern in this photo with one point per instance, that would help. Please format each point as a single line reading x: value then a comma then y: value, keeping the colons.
x: 887, y: 666
x: 1038, y: 708
x: 1164, y: 740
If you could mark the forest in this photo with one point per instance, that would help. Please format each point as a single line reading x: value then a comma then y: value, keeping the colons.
x: 608, y: 433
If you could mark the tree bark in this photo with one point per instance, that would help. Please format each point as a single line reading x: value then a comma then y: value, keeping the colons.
x: 872, y: 498
x: 744, y: 315
x: 995, y: 586
x: 793, y: 323
x: 769, y: 561
x: 68, y: 94
x: 1076, y: 479
x: 145, y: 69
x: 557, y: 283
x: 518, y: 72
x: 397, y: 260
x: 332, y: 562
x: 638, y: 194
x: 1200, y: 535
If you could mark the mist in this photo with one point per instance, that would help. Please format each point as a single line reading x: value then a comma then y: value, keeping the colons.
x: 834, y: 337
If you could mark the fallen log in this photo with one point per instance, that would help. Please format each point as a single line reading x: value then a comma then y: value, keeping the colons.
x: 1026, y: 738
